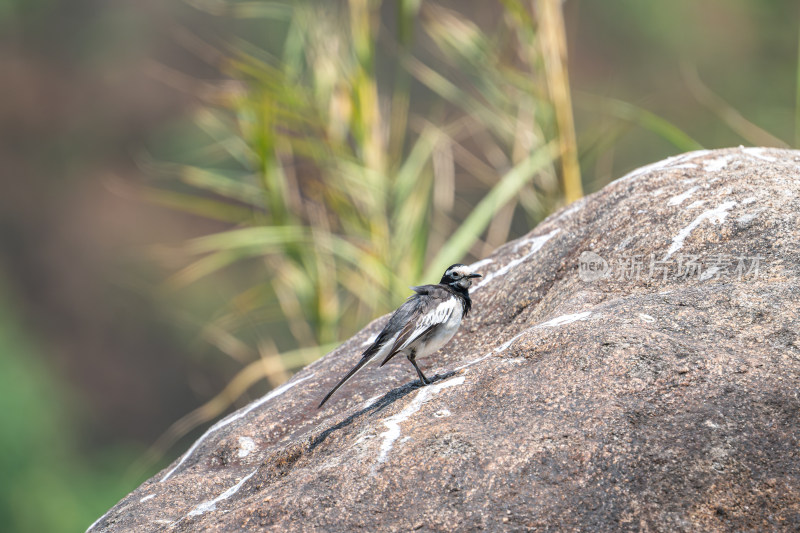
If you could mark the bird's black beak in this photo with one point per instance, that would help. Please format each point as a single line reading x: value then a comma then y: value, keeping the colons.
x: 474, y: 275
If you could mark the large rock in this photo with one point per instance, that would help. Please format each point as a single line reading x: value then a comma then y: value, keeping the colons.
x: 632, y: 363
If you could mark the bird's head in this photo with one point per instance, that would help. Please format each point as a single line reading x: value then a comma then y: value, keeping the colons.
x: 459, y: 276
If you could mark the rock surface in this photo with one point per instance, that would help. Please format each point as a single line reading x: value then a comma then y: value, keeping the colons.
x: 631, y: 364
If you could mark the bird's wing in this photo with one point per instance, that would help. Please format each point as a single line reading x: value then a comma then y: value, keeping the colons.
x: 387, y: 338
x: 433, y: 313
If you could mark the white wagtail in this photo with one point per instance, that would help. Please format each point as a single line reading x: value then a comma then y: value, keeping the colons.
x: 423, y: 324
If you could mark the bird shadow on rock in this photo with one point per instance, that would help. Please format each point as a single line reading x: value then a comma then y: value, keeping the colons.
x: 376, y: 407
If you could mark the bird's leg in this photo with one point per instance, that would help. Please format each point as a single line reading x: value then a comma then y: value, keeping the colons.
x: 412, y: 358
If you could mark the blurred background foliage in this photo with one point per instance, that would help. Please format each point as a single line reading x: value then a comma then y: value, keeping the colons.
x: 200, y: 197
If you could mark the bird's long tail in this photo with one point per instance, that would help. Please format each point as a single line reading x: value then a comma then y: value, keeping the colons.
x: 364, y: 360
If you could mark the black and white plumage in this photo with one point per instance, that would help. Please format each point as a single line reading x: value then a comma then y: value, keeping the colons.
x: 423, y: 324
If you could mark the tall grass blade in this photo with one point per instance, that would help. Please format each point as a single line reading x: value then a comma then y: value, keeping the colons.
x: 470, y: 230
x: 642, y: 118
x: 749, y: 131
x: 554, y: 48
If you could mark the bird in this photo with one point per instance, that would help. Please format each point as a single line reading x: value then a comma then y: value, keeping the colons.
x: 423, y: 324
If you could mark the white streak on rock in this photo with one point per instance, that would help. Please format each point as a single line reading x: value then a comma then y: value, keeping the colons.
x: 503, y: 347
x: 566, y: 319
x: 475, y: 361
x: 368, y: 403
x: 696, y: 203
x: 646, y: 318
x: 506, y: 345
x: 483, y: 262
x: 716, y: 215
x: 677, y: 200
x: 536, y: 245
x: 363, y: 437
x: 715, y: 165
x: 709, y: 273
x: 758, y: 153
x: 749, y: 200
x: 97, y: 521
x: 232, y: 417
x: 667, y: 163
x: 212, y: 504
x: 246, y: 447
x: 749, y: 217
x: 392, y: 423
x: 533, y: 241
x: 148, y: 497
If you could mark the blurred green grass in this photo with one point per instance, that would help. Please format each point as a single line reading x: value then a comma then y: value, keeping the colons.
x: 340, y: 189
x: 47, y: 483
x: 345, y: 198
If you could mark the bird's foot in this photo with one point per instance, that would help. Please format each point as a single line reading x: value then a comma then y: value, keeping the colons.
x: 441, y: 377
